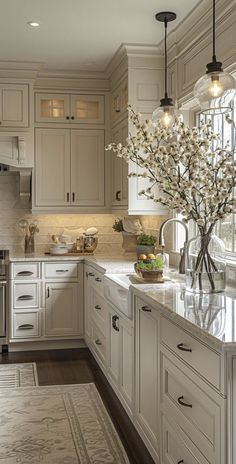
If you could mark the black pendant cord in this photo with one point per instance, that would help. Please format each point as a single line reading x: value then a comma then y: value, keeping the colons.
x: 166, y: 22
x: 214, y: 31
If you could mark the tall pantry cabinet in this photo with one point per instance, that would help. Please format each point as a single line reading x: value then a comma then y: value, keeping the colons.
x: 136, y: 77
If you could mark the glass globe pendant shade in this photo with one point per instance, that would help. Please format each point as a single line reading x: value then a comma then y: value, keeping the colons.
x: 164, y: 116
x: 214, y: 92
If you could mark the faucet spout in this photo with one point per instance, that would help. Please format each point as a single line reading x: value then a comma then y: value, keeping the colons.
x: 182, y: 250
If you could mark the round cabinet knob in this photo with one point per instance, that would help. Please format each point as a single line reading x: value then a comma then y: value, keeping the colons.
x: 67, y: 117
x: 72, y: 117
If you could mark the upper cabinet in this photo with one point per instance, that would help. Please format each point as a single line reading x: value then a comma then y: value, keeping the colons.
x: 14, y: 105
x: 70, y: 109
x: 69, y: 169
x: 119, y: 101
x: 119, y: 168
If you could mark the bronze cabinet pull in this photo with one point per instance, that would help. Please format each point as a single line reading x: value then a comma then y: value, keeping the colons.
x: 25, y: 297
x: 146, y: 309
x: 25, y: 326
x: 182, y: 347
x: 182, y: 403
x: 98, y: 342
x: 24, y: 273
x: 115, y: 319
x: 118, y: 195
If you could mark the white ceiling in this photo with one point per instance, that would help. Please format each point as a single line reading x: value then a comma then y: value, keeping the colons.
x: 81, y: 34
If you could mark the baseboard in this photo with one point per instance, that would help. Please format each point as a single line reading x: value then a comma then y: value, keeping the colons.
x: 46, y: 345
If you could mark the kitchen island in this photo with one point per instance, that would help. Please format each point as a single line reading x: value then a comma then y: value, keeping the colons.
x: 171, y: 359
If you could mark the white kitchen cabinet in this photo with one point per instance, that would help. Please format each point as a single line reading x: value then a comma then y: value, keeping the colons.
x: 61, y: 309
x: 46, y: 301
x: 14, y: 105
x: 52, y: 167
x: 75, y: 160
x: 114, y: 346
x: 119, y: 101
x: 70, y: 109
x: 87, y: 167
x: 119, y: 168
x: 146, y: 378
x: 121, y: 355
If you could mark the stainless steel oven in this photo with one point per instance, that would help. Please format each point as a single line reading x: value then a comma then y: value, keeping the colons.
x: 4, y: 267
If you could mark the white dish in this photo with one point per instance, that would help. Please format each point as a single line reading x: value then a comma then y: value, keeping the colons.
x: 58, y: 250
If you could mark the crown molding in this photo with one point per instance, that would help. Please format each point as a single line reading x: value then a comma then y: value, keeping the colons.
x: 73, y: 80
x: 23, y: 70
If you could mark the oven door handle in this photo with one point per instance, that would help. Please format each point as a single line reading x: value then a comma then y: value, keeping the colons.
x: 3, y: 308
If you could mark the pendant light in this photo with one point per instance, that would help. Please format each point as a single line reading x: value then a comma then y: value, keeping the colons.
x: 216, y: 89
x: 166, y: 111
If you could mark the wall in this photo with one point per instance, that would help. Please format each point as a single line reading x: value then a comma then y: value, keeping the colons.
x: 11, y: 210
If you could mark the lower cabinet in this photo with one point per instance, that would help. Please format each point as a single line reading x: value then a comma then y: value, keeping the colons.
x: 61, y: 309
x: 121, y: 356
x: 46, y: 301
x: 146, y: 377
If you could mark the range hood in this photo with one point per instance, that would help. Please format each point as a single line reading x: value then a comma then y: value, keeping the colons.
x: 23, y: 177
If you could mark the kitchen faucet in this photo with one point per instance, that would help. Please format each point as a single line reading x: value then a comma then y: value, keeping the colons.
x: 182, y: 250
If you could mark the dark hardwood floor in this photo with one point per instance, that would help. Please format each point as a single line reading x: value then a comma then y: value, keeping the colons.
x: 58, y: 367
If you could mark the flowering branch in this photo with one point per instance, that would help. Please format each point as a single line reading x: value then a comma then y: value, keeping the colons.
x: 194, y: 174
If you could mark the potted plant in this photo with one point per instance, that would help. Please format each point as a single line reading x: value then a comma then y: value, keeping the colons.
x: 150, y: 269
x: 129, y: 240
x: 145, y: 245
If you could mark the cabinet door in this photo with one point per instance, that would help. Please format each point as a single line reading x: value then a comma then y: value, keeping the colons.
x: 61, y: 309
x: 14, y: 105
x: 52, y: 167
x: 88, y: 274
x: 52, y: 107
x: 114, y: 346
x: 127, y: 364
x: 146, y: 407
x: 119, y: 168
x: 87, y: 109
x: 87, y: 167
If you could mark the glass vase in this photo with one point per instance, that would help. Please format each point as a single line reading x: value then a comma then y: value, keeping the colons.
x: 205, y: 264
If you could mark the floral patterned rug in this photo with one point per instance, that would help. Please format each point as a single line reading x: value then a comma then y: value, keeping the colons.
x: 18, y: 375
x: 65, y: 424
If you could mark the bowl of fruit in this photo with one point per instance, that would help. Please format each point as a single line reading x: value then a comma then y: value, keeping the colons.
x: 149, y: 268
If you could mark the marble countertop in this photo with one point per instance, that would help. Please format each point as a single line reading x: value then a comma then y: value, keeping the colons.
x: 111, y: 264
x: 212, y: 317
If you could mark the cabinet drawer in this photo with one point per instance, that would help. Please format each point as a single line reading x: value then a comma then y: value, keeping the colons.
x: 98, y: 310
x: 96, y: 281
x: 193, y: 409
x: 201, y: 358
x: 60, y: 270
x: 26, y: 295
x: 26, y: 325
x: 98, y: 341
x: 175, y: 451
x: 26, y: 271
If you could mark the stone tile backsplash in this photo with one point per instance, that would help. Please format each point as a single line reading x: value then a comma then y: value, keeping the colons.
x: 11, y: 210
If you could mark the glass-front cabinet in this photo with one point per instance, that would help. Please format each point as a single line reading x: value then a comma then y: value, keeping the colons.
x: 71, y: 109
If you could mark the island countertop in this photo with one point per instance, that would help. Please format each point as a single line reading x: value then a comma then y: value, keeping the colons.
x: 209, y: 316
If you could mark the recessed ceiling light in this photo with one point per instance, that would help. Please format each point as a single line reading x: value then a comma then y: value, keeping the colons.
x: 33, y: 23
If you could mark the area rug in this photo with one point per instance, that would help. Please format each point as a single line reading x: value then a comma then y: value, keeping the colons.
x: 18, y: 375
x: 65, y: 424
